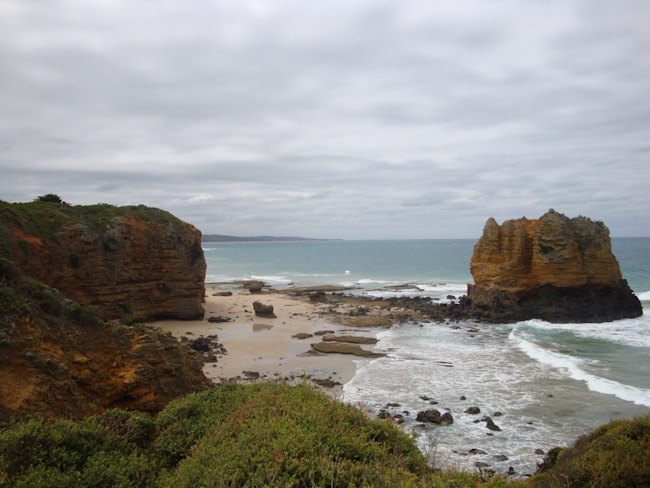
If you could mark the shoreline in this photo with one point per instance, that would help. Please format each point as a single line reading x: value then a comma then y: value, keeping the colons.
x: 263, y: 348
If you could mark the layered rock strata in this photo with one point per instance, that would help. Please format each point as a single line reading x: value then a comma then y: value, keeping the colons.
x: 60, y: 359
x: 134, y: 263
x: 552, y: 268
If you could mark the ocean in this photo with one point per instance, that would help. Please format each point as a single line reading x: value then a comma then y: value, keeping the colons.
x: 542, y: 384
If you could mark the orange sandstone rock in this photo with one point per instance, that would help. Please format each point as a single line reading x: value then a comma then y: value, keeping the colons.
x: 553, y: 250
x: 59, y: 359
x: 134, y: 263
x: 553, y: 268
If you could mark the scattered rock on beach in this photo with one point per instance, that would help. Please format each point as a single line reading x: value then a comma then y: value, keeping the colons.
x: 476, y: 451
x: 489, y: 423
x: 327, y: 383
x: 323, y: 332
x: 350, y: 339
x: 434, y: 416
x: 473, y: 410
x: 331, y: 347
x: 262, y: 310
x: 222, y: 294
x: 218, y: 320
x: 302, y: 335
x: 318, y: 297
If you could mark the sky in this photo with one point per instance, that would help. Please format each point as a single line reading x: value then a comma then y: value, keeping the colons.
x: 352, y: 119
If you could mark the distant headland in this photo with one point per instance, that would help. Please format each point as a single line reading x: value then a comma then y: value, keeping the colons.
x: 224, y: 238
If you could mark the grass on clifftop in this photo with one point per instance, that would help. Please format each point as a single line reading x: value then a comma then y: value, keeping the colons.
x: 274, y: 435
x: 43, y: 218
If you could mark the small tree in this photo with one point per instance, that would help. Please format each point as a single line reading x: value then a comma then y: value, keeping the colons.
x: 50, y: 197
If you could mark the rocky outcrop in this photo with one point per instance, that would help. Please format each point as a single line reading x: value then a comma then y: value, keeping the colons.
x: 350, y: 339
x: 553, y: 268
x: 435, y: 417
x: 134, y: 263
x: 338, y: 348
x: 60, y: 359
x: 262, y: 310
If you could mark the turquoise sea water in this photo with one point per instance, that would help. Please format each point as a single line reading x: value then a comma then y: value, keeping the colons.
x: 551, y: 382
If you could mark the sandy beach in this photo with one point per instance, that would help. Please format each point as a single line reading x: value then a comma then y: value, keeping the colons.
x: 265, y: 348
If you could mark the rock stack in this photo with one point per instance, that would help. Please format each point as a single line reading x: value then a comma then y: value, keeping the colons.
x: 553, y: 268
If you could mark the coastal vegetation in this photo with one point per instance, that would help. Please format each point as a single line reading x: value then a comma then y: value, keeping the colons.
x: 46, y: 214
x: 271, y: 434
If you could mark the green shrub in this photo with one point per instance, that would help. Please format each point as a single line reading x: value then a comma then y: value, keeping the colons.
x: 76, y: 454
x: 50, y: 197
x: 82, y: 315
x: 135, y: 427
x: 616, y: 454
x: 296, y: 436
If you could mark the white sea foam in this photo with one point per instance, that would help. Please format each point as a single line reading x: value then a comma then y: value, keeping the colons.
x: 272, y: 279
x: 629, y: 332
x: 214, y: 278
x: 367, y: 281
x: 451, y: 288
x: 574, y: 367
x: 644, y: 296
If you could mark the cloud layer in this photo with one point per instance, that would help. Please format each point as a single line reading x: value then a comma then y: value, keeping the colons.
x: 365, y: 119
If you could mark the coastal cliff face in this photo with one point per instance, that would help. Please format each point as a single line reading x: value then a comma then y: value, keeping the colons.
x: 553, y: 268
x: 60, y: 359
x: 133, y: 263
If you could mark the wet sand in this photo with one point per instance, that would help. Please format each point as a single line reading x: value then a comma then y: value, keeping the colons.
x: 265, y: 346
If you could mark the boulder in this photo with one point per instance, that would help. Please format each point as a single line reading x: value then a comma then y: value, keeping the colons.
x: 434, y: 416
x: 489, y: 423
x: 553, y: 268
x: 262, y: 310
x: 473, y: 410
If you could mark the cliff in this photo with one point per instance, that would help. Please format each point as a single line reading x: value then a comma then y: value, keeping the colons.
x: 60, y: 358
x: 134, y: 263
x: 553, y: 268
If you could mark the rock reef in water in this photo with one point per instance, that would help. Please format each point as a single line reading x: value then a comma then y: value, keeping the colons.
x: 552, y: 268
x: 135, y: 263
x: 60, y: 359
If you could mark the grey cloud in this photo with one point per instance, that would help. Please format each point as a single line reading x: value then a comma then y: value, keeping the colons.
x: 369, y: 119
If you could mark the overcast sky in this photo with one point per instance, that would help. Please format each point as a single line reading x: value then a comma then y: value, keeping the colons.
x: 336, y: 119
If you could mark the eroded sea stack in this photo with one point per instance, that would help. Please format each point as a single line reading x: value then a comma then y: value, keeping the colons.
x: 135, y: 263
x: 553, y: 268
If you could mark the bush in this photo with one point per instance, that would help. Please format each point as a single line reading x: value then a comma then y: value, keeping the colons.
x: 50, y: 198
x: 64, y: 453
x: 284, y: 436
x: 616, y: 454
